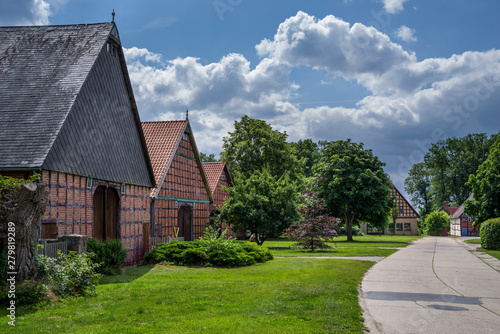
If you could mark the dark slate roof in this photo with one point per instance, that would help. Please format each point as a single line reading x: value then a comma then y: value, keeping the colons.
x: 66, y: 104
x: 42, y: 69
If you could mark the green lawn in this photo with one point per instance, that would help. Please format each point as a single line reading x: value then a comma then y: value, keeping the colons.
x: 280, y: 296
x: 494, y: 253
x: 368, y: 245
x: 473, y: 241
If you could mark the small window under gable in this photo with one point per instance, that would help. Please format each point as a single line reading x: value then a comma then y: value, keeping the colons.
x: 223, y: 177
x: 185, y: 136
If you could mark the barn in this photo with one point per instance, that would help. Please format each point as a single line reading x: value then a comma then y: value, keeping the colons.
x: 218, y: 177
x: 182, y: 198
x: 67, y: 111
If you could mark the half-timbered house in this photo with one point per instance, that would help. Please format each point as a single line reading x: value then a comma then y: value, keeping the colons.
x: 405, y: 215
x: 182, y: 198
x: 461, y: 224
x: 218, y: 177
x: 67, y: 111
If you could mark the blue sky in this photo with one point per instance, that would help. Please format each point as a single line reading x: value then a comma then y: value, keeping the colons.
x: 393, y: 74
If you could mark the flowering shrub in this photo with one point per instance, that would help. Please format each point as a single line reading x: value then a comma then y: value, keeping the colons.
x: 69, y: 275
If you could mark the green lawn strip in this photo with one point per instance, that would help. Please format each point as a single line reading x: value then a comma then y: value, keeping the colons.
x: 361, y: 246
x: 344, y: 252
x: 388, y: 241
x: 280, y: 296
x: 473, y: 241
x: 494, y: 253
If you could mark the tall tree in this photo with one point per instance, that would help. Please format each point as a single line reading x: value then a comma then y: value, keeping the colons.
x: 255, y: 146
x: 418, y: 186
x: 485, y: 184
x: 262, y: 203
x: 354, y: 185
x: 207, y: 157
x: 308, y: 153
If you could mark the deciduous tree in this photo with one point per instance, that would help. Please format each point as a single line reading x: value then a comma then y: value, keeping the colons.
x: 354, y: 185
x: 262, y: 203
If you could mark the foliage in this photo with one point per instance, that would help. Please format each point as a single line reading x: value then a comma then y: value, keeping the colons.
x: 255, y: 146
x: 436, y: 221
x: 354, y: 185
x: 418, y: 186
x: 27, y: 293
x: 262, y: 203
x: 490, y: 234
x: 109, y: 254
x: 281, y: 296
x: 211, y: 250
x: 356, y: 231
x: 485, y: 184
x: 315, y: 225
x: 445, y: 170
x: 70, y: 274
x: 308, y: 153
x: 10, y: 182
x: 207, y: 157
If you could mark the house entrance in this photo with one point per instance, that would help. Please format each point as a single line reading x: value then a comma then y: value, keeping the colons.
x: 185, y: 218
x: 106, y: 203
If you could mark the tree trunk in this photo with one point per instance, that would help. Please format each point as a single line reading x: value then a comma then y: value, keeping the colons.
x: 24, y: 208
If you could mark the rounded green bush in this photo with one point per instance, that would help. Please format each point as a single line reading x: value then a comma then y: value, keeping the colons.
x: 490, y: 234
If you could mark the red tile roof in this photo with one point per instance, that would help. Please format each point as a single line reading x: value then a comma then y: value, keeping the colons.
x: 213, y: 170
x: 162, y: 139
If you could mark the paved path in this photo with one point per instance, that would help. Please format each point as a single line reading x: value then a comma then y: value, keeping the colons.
x: 435, y: 285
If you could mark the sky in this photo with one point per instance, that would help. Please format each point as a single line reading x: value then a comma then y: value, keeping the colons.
x: 396, y: 75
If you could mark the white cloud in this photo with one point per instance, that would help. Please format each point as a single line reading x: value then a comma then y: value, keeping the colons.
x: 29, y: 12
x: 393, y: 6
x: 408, y: 101
x: 406, y: 34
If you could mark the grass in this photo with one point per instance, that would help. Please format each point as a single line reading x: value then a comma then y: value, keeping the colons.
x: 280, y: 296
x: 368, y: 245
x: 473, y: 241
x: 494, y: 253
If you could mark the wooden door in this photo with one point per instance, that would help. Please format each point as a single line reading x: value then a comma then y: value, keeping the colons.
x: 184, y: 222
x: 105, y: 204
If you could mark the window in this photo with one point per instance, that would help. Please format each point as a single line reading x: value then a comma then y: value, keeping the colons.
x: 469, y: 219
x: 399, y: 227
x: 407, y: 227
x: 89, y: 183
x: 401, y: 209
x: 223, y: 177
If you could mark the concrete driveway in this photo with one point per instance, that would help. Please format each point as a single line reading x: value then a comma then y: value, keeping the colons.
x: 435, y: 285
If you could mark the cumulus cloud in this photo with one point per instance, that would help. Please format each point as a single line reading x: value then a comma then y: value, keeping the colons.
x: 409, y: 102
x: 28, y: 12
x: 406, y: 34
x: 393, y: 6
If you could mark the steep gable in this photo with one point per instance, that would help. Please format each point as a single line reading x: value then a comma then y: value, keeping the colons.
x: 403, y: 207
x: 42, y: 70
x: 163, y: 141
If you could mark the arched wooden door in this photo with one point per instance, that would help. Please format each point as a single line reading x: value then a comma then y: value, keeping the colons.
x: 106, y: 203
x: 185, y: 216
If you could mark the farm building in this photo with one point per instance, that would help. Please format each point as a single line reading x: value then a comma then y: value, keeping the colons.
x: 218, y: 176
x: 461, y: 224
x: 182, y: 198
x: 67, y: 111
x: 406, y: 221
x: 450, y: 211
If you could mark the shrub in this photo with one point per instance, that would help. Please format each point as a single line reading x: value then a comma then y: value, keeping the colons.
x: 211, y: 250
x: 356, y: 231
x: 490, y: 234
x: 110, y: 255
x: 436, y: 221
x: 27, y: 293
x: 69, y: 275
